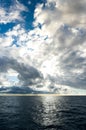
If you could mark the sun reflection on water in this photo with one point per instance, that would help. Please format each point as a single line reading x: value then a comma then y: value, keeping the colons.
x: 49, y: 110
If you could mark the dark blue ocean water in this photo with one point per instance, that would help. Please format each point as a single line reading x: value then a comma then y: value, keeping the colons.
x: 43, y: 113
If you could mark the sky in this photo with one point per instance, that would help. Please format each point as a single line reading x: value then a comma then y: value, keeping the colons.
x: 43, y: 46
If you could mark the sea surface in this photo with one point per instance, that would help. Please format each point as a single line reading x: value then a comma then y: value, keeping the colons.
x: 42, y: 113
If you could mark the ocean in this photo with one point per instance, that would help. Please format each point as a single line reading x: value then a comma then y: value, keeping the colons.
x: 42, y: 113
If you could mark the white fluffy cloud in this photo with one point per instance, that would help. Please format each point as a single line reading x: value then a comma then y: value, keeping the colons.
x: 57, y: 13
x: 13, y: 13
x: 51, y: 58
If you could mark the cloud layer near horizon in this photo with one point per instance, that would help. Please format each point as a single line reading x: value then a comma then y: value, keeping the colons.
x: 52, y: 56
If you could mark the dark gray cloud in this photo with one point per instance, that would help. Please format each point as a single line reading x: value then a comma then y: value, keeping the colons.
x: 27, y: 75
x: 19, y: 90
x: 74, y: 67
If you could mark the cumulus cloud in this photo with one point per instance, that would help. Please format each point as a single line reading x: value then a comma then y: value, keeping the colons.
x: 61, y: 21
x: 52, y: 56
x: 56, y: 13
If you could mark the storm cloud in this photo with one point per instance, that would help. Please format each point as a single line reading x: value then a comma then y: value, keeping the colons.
x: 27, y: 75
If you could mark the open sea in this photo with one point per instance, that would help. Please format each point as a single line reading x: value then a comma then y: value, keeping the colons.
x: 42, y: 113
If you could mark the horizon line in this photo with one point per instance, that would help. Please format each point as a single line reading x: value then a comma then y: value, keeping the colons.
x: 43, y: 95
